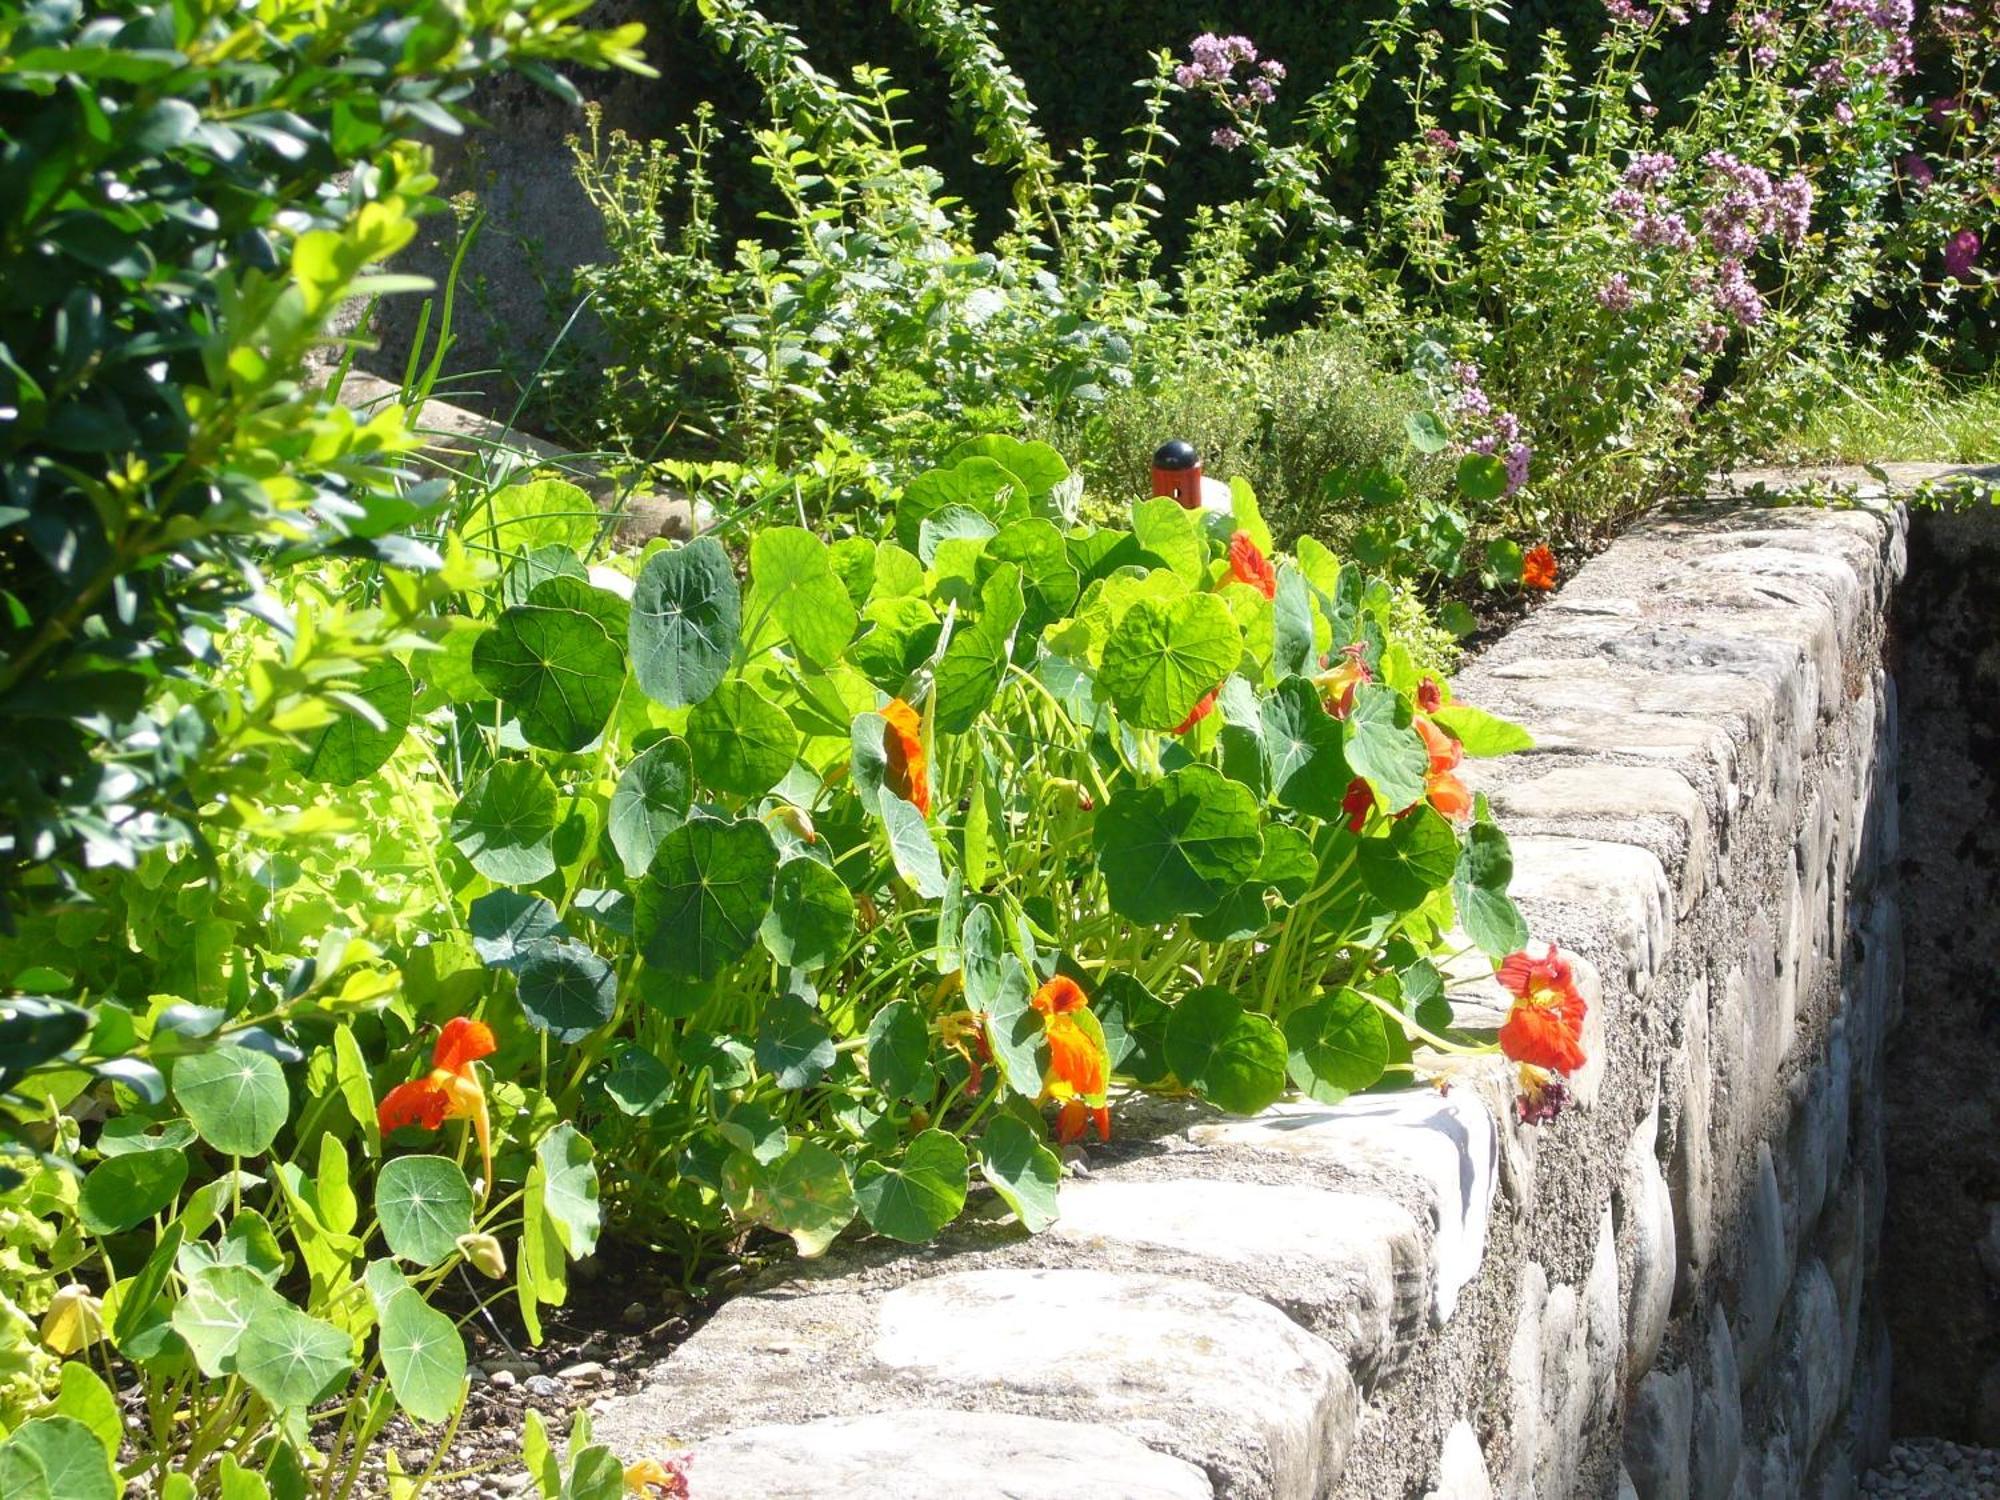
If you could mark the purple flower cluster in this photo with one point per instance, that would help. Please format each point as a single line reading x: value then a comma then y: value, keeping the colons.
x: 1751, y: 206
x: 1761, y: 29
x: 1650, y: 170
x: 1616, y: 295
x: 1867, y: 23
x: 1214, y: 59
x: 1960, y: 251
x: 1736, y: 296
x: 1630, y: 13
x: 1504, y: 428
x: 1213, y: 63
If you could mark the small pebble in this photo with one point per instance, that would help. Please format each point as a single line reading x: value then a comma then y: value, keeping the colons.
x: 502, y: 1378
x: 634, y: 1315
x: 1935, y: 1469
x: 583, y: 1372
x: 542, y: 1385
x: 512, y: 1484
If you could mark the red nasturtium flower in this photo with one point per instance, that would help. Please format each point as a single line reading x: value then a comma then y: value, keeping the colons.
x: 1200, y: 711
x: 1248, y: 564
x: 1442, y: 787
x: 1430, y: 696
x: 907, y: 775
x: 1538, y: 569
x: 1358, y: 804
x: 1079, y: 1064
x: 1544, y: 1028
x: 450, y: 1091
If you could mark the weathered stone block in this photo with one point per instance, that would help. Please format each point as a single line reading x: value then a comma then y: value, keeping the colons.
x: 1461, y: 1471
x: 1592, y: 794
x: 1659, y: 1434
x: 1645, y: 1211
x: 1621, y: 889
x: 972, y: 1453
x: 1763, y: 1270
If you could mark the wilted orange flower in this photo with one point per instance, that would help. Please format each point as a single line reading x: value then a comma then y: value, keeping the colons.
x: 1538, y: 569
x: 658, y: 1479
x: 1200, y: 711
x: 965, y: 1034
x: 1542, y: 1097
x: 1544, y: 1029
x: 907, y: 775
x: 1442, y: 787
x: 1338, y: 683
x: 1430, y: 696
x: 1079, y: 1065
x: 450, y: 1091
x: 1248, y: 564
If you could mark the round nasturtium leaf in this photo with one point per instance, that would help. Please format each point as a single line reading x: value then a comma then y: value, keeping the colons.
x: 793, y: 1044
x: 425, y: 1204
x: 791, y: 574
x: 350, y: 747
x: 505, y: 823
x: 637, y: 1081
x: 1022, y: 1170
x: 740, y: 740
x: 1419, y: 856
x: 568, y: 1186
x: 123, y: 1191
x: 650, y: 801
x: 700, y: 905
x: 899, y: 1052
x: 1176, y: 848
x: 1479, y: 886
x: 811, y: 920
x: 1164, y: 655
x: 1382, y: 745
x: 422, y: 1353
x: 686, y: 617
x: 807, y: 1196
x: 57, y: 1457
x: 236, y: 1098
x: 292, y: 1359
x: 538, y: 566
x: 1304, y: 742
x: 1336, y: 1045
x: 507, y: 925
x: 914, y: 1198
x: 565, y: 989
x: 1231, y: 1058
x: 558, y: 661
x: 216, y: 1310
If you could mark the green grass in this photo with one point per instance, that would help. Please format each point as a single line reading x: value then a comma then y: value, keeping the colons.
x: 1900, y: 412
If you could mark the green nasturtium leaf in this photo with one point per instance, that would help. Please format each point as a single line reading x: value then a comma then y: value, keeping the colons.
x: 902, y: 633
x: 1287, y: 865
x: 637, y: 1081
x: 505, y: 824
x: 536, y: 567
x: 538, y: 513
x: 792, y: 576
x: 1419, y: 856
x: 558, y: 661
x: 650, y: 801
x: 899, y: 1052
x: 1134, y: 1022
x: 292, y: 1359
x: 1231, y: 1058
x: 566, y: 990
x: 1482, y: 477
x: 1048, y: 577
x: 807, y: 1195
x: 705, y: 895
x: 793, y: 1044
x: 350, y: 747
x: 1481, y: 733
x: 569, y: 1189
x: 1167, y: 532
x: 216, y: 1310
x: 687, y: 613
x: 911, y: 846
x: 422, y: 1353
x: 975, y: 661
x: 57, y: 1457
x: 913, y: 1198
x: 424, y: 1204
x: 1479, y: 886
x: 1382, y: 746
x: 1337, y: 1045
x: 997, y: 990
x: 236, y: 1098
x: 507, y: 925
x: 1164, y: 655
x: 1176, y: 848
x: 1304, y: 743
x: 1038, y: 466
x: 811, y: 920
x: 125, y: 1191
x: 741, y: 742
x: 1022, y: 1170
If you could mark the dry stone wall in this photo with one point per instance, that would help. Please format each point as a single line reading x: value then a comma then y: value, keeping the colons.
x: 1664, y: 1293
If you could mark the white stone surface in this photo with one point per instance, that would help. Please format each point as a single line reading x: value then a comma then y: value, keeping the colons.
x: 1006, y: 1455
x: 1446, y: 1143
x: 1133, y: 1351
x: 1611, y: 790
x: 1370, y: 1242
x: 1647, y: 1212
x: 1461, y: 1467
x: 1623, y: 887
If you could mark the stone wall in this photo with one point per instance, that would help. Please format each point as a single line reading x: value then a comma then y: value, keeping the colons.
x: 1665, y: 1292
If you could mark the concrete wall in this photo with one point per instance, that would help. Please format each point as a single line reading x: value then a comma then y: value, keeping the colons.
x: 1666, y: 1292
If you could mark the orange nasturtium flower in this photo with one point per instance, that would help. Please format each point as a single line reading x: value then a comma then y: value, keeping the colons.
x: 1544, y: 1028
x: 1341, y: 677
x: 1442, y: 787
x: 908, y: 775
x: 450, y: 1091
x: 1248, y: 564
x: 1200, y: 711
x: 1079, y: 1062
x: 1538, y: 569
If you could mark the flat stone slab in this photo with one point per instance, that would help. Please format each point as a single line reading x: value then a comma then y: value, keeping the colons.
x: 1220, y: 1380
x: 1622, y: 887
x: 941, y: 1453
x: 1350, y: 1266
x: 1446, y: 1143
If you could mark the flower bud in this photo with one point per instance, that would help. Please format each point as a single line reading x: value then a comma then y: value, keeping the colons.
x: 483, y: 1252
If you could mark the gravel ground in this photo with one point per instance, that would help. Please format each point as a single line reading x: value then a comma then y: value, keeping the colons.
x: 1923, y: 1468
